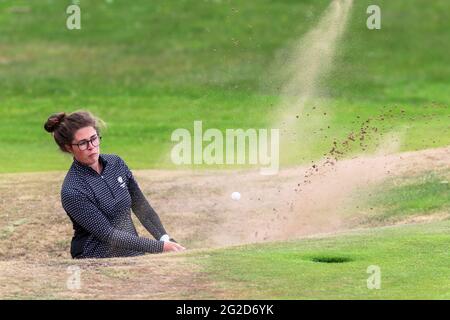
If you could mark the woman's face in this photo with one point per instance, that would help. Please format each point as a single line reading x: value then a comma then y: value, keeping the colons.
x: 88, y: 149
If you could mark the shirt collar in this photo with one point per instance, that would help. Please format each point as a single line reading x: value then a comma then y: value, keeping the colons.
x: 86, y: 169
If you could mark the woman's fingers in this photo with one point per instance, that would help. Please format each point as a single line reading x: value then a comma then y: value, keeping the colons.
x: 171, y: 246
x: 178, y: 247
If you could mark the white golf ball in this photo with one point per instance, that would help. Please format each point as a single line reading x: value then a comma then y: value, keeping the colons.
x: 235, y: 195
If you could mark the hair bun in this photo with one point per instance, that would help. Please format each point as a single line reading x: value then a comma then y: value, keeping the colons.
x: 54, y: 121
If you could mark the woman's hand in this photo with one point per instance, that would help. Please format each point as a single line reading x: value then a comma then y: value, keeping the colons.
x: 172, y: 246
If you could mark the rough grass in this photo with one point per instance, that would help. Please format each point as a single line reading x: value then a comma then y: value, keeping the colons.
x: 406, y: 198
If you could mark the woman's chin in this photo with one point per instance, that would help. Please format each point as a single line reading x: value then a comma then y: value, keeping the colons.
x: 92, y: 159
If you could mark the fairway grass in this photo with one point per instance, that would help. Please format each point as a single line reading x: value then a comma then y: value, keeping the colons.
x: 162, y: 66
x: 413, y: 260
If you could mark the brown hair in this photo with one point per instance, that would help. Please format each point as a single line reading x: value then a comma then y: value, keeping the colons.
x: 64, y: 125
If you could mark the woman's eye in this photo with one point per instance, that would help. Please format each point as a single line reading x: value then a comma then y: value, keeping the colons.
x: 83, y: 144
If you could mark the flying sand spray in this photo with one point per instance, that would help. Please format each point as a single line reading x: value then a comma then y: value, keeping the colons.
x: 309, y: 60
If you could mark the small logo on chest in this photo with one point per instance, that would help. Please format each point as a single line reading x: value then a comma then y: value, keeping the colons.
x: 122, y: 184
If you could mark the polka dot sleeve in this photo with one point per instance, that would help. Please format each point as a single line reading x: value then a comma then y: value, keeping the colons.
x: 141, y: 207
x: 87, y: 215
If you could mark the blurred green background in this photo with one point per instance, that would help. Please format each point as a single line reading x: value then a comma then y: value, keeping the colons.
x: 149, y: 67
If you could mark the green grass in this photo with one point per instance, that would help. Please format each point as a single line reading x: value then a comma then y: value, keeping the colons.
x: 403, y: 197
x: 413, y: 261
x: 148, y: 68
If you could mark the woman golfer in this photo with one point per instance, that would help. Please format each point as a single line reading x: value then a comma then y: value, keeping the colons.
x: 98, y: 194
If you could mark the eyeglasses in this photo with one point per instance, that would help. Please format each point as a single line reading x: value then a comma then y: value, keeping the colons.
x: 84, y: 144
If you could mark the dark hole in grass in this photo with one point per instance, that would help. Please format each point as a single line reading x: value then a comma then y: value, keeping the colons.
x: 326, y: 259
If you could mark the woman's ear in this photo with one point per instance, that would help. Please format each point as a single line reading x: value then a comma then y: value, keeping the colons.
x: 68, y: 148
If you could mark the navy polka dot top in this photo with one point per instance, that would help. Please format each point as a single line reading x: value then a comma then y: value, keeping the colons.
x: 99, y: 206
